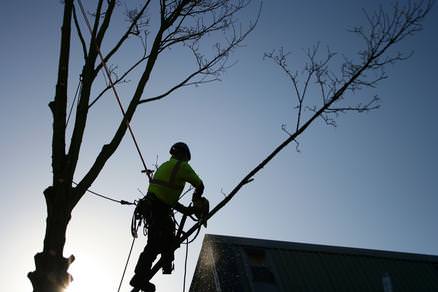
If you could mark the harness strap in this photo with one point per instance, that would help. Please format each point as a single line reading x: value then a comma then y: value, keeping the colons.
x: 175, y: 171
x: 172, y: 180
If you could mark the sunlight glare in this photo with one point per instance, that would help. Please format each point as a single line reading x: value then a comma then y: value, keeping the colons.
x: 86, y: 276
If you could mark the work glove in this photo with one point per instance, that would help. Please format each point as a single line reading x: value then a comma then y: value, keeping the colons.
x: 188, y: 211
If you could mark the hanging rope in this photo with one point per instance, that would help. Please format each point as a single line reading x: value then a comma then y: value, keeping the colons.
x: 126, y: 264
x: 74, y: 100
x: 84, y: 15
x: 185, y: 264
x: 123, y: 202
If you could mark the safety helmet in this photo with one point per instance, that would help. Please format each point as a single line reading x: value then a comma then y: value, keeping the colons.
x: 180, y: 151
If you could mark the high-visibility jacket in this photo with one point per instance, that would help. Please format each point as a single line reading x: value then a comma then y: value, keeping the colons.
x: 169, y: 180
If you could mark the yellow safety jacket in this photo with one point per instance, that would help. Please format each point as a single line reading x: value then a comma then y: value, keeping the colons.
x: 169, y: 180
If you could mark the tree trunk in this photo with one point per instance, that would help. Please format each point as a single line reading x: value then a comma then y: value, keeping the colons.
x: 51, y: 267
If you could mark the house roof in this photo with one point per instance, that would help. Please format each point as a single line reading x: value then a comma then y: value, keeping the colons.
x: 247, y: 264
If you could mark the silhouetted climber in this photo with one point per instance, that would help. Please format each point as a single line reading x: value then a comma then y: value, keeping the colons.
x: 163, y: 194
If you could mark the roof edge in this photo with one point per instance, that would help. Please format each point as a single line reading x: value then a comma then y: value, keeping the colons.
x: 308, y: 247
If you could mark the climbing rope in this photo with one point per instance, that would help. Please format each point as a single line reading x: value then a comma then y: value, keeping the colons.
x: 146, y: 170
x: 185, y: 264
x: 74, y: 100
x: 111, y: 83
x: 122, y: 202
x: 126, y: 264
x: 179, y: 233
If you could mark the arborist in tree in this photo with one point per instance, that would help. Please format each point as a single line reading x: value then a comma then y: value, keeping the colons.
x: 157, y: 206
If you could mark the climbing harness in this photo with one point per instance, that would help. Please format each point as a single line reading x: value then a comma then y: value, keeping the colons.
x: 142, y: 214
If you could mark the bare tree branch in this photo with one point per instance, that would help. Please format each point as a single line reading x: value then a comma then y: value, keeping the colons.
x: 59, y: 104
x: 105, y: 24
x: 97, y: 16
x: 81, y: 37
x: 171, y: 11
x: 383, y: 31
x: 313, y: 69
x: 205, y: 67
x: 182, y: 34
x: 221, y: 19
x: 297, y: 144
x: 208, y: 70
x: 88, y: 77
x: 408, y: 19
x: 360, y: 108
x: 134, y: 22
x: 109, y: 149
x: 121, y: 79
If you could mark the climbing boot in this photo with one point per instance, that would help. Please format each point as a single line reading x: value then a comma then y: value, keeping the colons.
x: 148, y: 287
x: 167, y: 268
x: 145, y: 287
x: 136, y: 282
x: 139, y: 283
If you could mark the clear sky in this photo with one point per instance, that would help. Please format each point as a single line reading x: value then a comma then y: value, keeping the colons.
x: 369, y: 183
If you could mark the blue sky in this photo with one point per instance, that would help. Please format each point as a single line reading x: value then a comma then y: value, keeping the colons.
x: 369, y: 183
